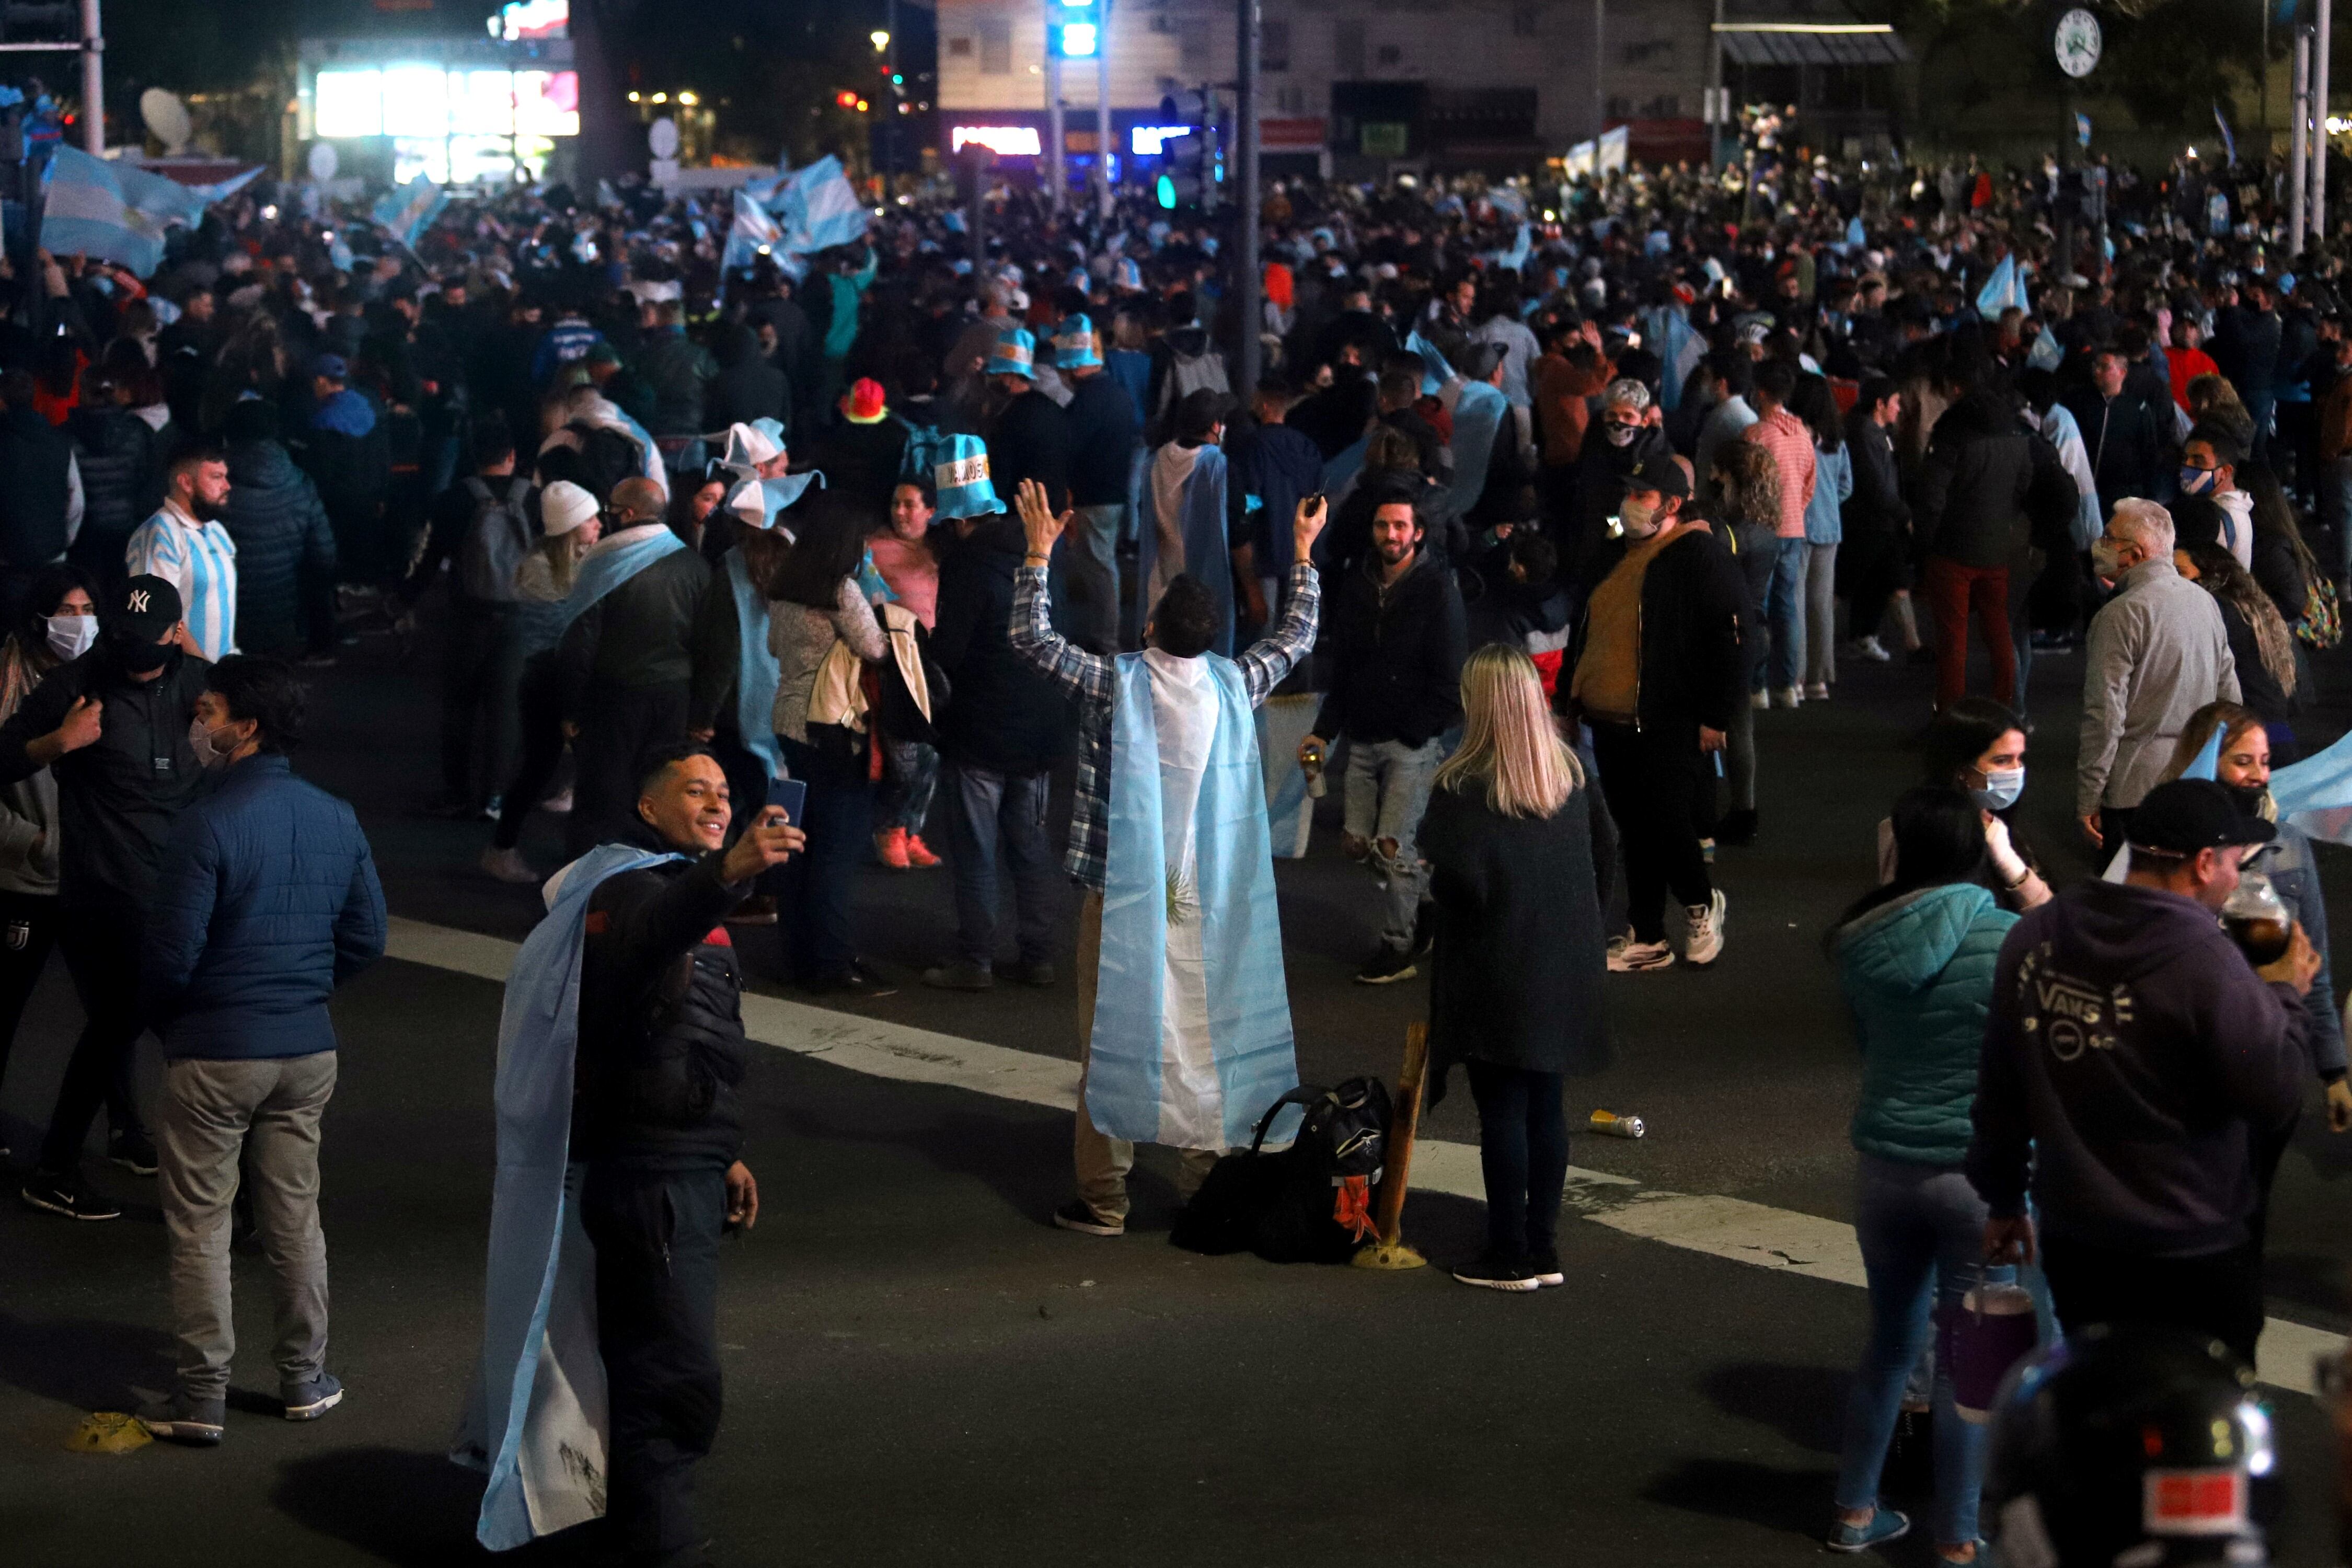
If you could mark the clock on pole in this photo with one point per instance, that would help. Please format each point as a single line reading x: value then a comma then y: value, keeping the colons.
x: 2076, y: 41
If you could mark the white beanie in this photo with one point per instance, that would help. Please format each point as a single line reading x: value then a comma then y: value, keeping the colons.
x: 564, y: 506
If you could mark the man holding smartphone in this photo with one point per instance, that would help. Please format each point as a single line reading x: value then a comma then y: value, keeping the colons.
x: 652, y: 1036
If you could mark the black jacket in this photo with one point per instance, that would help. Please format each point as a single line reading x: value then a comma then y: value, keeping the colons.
x: 661, y: 1050
x: 860, y: 463
x: 2129, y: 442
x: 279, y: 527
x: 1521, y: 948
x: 34, y: 456
x: 1693, y: 665
x: 1031, y: 440
x: 1003, y: 715
x: 2246, y: 347
x: 1105, y: 433
x: 640, y: 635
x: 116, y: 798
x: 1876, y: 508
x: 121, y: 460
x: 1392, y: 654
x: 1601, y: 468
x: 1973, y: 488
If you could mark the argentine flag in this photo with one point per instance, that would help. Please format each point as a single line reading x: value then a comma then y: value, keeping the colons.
x: 2001, y: 291
x: 820, y: 210
x: 754, y: 232
x: 404, y: 212
x: 90, y: 208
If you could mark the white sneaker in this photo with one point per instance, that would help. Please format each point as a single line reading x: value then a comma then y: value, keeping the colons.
x: 1818, y: 692
x: 1760, y: 700
x: 559, y: 804
x: 1703, y: 937
x: 1871, y: 649
x: 509, y: 866
x: 1640, y: 958
x: 1787, y: 697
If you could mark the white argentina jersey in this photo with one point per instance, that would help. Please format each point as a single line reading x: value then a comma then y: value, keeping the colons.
x: 200, y: 560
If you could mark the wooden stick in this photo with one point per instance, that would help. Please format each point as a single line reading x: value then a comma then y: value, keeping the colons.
x: 1404, y: 1126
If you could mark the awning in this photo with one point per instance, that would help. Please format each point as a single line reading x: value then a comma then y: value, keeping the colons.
x: 1811, y: 43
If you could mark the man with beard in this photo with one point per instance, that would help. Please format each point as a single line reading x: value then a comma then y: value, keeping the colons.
x: 1628, y: 439
x: 186, y: 546
x: 113, y: 727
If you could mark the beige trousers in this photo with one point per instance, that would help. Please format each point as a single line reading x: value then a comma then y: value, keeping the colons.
x: 1103, y: 1162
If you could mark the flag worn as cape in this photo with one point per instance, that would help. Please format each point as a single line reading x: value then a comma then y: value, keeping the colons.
x: 757, y: 673
x: 613, y: 561
x: 535, y: 1418
x: 1478, y: 423
x: 1190, y: 538
x: 1192, y: 1037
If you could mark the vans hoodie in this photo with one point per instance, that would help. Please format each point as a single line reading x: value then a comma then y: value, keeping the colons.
x: 2130, y: 1048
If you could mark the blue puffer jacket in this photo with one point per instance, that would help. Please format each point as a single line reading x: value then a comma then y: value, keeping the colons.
x: 266, y: 900
x: 1917, y: 973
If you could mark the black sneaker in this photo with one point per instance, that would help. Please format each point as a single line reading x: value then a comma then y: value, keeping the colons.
x: 960, y: 975
x: 133, y: 1151
x: 62, y: 1194
x: 1425, y: 930
x: 1075, y: 1215
x: 1493, y: 1273
x: 1039, y: 974
x: 1387, y: 966
x: 180, y: 1419
x: 1543, y: 1262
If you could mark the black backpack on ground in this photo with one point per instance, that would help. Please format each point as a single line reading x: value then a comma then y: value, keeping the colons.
x: 1308, y: 1203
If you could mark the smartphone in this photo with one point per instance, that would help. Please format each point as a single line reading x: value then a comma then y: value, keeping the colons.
x: 792, y: 795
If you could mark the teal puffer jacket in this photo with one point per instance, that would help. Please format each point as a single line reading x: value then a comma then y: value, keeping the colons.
x: 1918, y: 974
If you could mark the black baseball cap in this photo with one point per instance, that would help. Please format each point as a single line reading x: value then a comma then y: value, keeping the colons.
x: 2189, y: 815
x: 1661, y: 474
x: 144, y: 609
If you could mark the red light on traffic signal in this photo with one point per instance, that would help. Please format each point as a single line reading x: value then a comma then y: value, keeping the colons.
x: 847, y: 99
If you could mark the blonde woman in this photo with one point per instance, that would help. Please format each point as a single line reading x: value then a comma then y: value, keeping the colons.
x: 1517, y: 855
x: 568, y: 524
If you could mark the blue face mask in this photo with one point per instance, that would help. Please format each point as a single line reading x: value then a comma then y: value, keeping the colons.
x: 1999, y: 790
x: 2195, y: 481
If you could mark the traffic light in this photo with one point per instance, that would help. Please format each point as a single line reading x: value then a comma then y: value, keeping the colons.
x: 1186, y: 138
x: 1075, y: 30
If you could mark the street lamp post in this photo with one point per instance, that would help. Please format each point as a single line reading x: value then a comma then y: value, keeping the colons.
x: 1246, y: 134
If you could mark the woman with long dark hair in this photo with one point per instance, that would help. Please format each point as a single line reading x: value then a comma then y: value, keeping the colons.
x: 817, y: 609
x: 2259, y: 643
x: 1978, y: 747
x: 1813, y: 403
x: 1915, y: 962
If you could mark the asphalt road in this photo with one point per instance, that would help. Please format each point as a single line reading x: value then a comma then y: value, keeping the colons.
x: 920, y: 1370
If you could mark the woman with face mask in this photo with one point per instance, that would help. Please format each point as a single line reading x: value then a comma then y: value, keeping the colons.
x: 2243, y: 766
x: 1978, y: 747
x: 63, y: 625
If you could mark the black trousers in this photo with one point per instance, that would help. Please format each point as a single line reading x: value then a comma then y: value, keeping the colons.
x: 1874, y: 563
x: 1523, y: 1153
x: 541, y: 703
x: 618, y: 724
x: 28, y: 929
x: 2218, y: 1294
x: 1650, y: 777
x: 657, y: 1238
x: 102, y: 948
x: 478, y: 679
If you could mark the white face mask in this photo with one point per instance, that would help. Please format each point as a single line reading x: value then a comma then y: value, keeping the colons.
x: 1638, y: 517
x: 70, y: 636
x: 210, y: 752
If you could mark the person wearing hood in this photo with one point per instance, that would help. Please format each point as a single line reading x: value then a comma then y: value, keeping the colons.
x: 284, y: 546
x: 1392, y: 648
x: 1630, y: 438
x: 2157, y: 651
x: 1915, y: 960
x: 2135, y: 1061
x: 2241, y: 765
x: 113, y: 727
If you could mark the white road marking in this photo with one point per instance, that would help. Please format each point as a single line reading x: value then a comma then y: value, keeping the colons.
x: 1779, y: 1240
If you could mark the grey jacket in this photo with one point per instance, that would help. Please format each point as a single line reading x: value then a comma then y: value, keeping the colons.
x: 2158, y: 653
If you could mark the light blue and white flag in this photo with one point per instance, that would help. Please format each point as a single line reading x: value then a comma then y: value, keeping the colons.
x: 2001, y: 291
x: 755, y: 234
x: 2316, y: 794
x: 821, y: 210
x: 405, y: 213
x: 87, y: 210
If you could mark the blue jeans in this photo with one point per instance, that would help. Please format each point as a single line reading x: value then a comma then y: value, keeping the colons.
x: 982, y: 803
x: 1922, y: 1233
x: 1387, y: 791
x: 1784, y: 613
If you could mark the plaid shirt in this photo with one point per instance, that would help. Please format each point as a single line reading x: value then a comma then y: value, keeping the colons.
x: 1791, y: 441
x: 1093, y: 681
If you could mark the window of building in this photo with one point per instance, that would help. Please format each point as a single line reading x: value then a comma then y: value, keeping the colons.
x: 1348, y: 49
x: 1391, y: 56
x: 959, y: 49
x: 1273, y: 45
x: 995, y: 47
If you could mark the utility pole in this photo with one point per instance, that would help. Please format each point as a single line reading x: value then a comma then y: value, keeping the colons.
x: 1245, y: 133
x: 1056, y: 147
x: 1104, y: 142
x: 2318, y: 216
x: 2298, y: 144
x: 93, y: 81
x: 1600, y: 87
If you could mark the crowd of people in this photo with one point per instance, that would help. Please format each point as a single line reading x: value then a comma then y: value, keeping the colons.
x: 1550, y: 497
